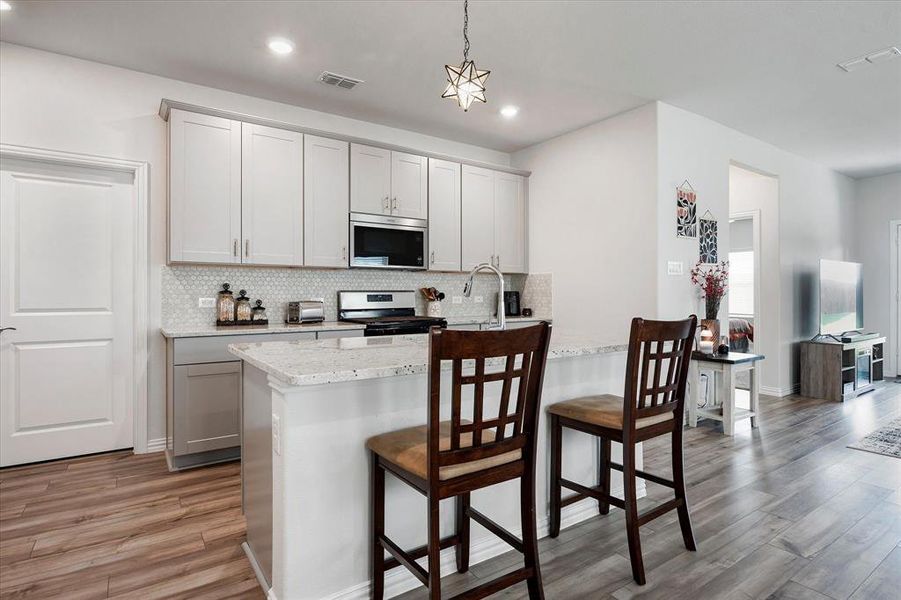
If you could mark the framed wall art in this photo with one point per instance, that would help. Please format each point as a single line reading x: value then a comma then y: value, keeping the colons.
x: 708, y: 239
x: 686, y: 211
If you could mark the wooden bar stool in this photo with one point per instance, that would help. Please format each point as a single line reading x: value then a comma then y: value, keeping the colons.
x: 454, y: 458
x: 652, y: 407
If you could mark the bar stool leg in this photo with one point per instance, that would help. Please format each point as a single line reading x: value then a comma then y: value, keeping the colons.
x: 434, y: 549
x: 631, y: 502
x: 604, y: 474
x: 530, y: 534
x: 679, y: 488
x: 377, y: 495
x: 556, y: 468
x: 462, y: 526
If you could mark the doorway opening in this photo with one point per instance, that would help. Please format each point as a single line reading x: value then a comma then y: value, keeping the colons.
x: 753, y: 254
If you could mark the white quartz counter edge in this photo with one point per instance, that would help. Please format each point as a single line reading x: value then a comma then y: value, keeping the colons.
x: 484, y: 320
x: 354, y: 359
x: 213, y: 330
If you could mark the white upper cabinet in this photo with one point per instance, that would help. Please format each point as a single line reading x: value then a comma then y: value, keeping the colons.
x: 444, y: 215
x: 326, y: 201
x: 272, y: 196
x: 204, y: 188
x: 494, y: 219
x: 370, y: 180
x: 509, y: 223
x: 477, y: 216
x: 409, y: 185
x: 383, y: 182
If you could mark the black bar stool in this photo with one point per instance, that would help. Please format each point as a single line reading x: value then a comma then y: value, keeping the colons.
x: 451, y: 459
x: 651, y: 408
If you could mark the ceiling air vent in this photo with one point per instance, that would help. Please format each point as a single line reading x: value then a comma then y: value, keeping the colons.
x: 341, y: 81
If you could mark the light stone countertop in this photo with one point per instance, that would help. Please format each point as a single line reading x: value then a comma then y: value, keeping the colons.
x: 213, y: 330
x: 354, y: 359
x: 483, y: 320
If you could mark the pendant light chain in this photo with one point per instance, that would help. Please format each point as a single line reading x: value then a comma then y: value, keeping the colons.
x: 465, y: 30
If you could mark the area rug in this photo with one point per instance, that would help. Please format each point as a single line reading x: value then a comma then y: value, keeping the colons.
x: 885, y: 440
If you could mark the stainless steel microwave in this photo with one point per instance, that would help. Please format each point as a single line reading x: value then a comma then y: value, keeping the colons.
x: 383, y: 242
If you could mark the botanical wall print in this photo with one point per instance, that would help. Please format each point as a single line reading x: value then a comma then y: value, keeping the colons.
x: 708, y: 241
x: 686, y: 211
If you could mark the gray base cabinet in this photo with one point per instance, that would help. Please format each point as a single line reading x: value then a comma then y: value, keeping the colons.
x: 203, y: 395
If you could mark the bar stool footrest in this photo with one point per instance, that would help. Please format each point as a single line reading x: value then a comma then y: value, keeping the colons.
x: 496, y: 529
x: 400, y: 557
x: 588, y: 492
x: 646, y: 476
x: 495, y: 585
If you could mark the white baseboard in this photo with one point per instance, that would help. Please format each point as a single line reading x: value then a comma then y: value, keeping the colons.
x: 157, y: 445
x: 780, y: 392
x: 398, y: 581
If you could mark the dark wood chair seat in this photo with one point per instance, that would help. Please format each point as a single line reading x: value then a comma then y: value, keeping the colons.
x: 451, y: 459
x: 605, y: 410
x: 408, y: 449
x: 652, y: 405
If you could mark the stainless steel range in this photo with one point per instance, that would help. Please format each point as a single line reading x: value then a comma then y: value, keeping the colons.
x: 385, y: 312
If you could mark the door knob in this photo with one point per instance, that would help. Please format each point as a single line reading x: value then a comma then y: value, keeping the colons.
x: 2, y: 329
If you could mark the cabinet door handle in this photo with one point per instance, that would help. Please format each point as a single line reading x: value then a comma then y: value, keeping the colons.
x: 498, y: 263
x: 433, y: 257
x: 247, y: 247
x: 235, y: 247
x: 344, y: 252
x: 386, y: 204
x: 394, y: 203
x: 2, y: 329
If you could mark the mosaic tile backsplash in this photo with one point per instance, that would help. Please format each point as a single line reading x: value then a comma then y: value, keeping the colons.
x: 182, y: 285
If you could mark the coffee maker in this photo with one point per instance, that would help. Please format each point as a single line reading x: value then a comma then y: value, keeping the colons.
x: 511, y: 304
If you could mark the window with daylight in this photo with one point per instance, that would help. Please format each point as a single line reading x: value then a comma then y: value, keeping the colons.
x: 741, y: 283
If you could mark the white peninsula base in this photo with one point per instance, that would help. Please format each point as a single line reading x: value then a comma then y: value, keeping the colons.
x: 308, y: 408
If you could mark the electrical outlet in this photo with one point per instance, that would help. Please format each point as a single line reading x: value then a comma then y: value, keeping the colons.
x: 276, y: 434
x: 478, y: 299
x: 206, y: 303
x: 674, y: 267
x: 457, y: 299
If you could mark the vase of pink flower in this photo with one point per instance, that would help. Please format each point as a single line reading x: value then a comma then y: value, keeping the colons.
x: 713, y: 281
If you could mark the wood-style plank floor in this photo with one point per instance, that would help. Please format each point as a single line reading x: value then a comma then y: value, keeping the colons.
x: 785, y: 511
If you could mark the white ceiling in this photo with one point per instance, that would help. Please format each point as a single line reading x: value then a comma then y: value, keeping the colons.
x: 763, y: 68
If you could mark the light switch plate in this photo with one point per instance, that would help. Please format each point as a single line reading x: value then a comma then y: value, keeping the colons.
x: 206, y: 303
x: 675, y: 267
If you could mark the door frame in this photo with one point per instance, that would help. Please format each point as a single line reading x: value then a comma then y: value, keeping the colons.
x: 754, y: 215
x: 894, y: 238
x: 140, y: 172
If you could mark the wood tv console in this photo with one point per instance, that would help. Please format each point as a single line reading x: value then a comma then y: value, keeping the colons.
x: 839, y: 371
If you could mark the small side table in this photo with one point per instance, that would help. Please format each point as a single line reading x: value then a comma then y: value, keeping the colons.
x: 726, y: 366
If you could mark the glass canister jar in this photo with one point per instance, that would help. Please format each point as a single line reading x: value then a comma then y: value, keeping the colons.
x: 258, y: 314
x: 243, y: 313
x: 225, y: 306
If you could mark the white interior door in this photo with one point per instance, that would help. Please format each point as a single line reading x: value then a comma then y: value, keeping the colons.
x: 66, y: 286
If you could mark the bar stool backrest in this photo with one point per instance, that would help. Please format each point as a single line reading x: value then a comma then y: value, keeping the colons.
x: 485, y: 357
x: 657, y: 368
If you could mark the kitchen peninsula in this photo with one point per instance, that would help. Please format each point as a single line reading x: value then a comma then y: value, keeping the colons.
x: 308, y: 408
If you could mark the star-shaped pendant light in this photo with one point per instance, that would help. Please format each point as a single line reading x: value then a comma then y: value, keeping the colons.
x: 465, y: 82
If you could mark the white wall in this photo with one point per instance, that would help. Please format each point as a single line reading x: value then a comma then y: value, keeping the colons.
x: 591, y: 221
x: 877, y: 203
x: 815, y: 213
x: 749, y: 191
x: 66, y: 104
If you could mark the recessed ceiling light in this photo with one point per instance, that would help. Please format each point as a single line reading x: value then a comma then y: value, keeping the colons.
x: 281, y: 46
x: 509, y: 111
x: 4, y: 5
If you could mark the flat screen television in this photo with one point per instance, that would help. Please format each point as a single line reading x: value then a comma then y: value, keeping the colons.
x: 841, y: 297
